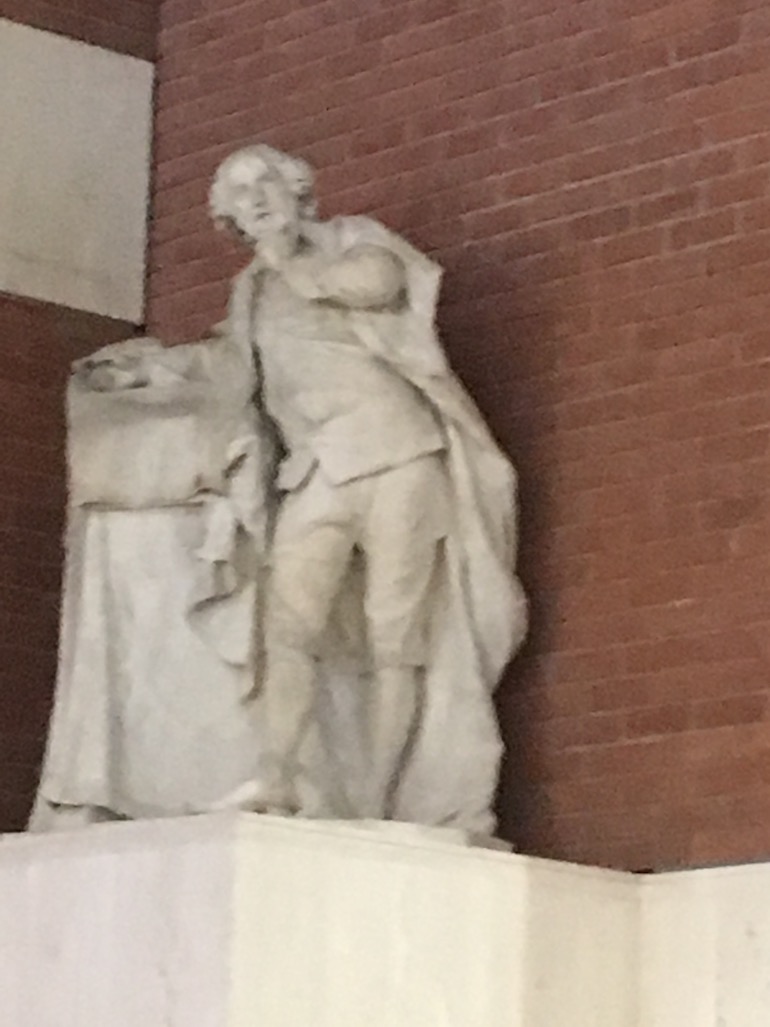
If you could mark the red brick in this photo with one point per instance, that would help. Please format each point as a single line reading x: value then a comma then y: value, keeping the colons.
x: 740, y: 252
x: 729, y: 189
x: 427, y: 38
x: 734, y: 62
x: 730, y: 840
x: 191, y: 34
x: 632, y: 246
x: 666, y: 206
x: 658, y: 756
x: 619, y: 793
x: 113, y: 24
x: 665, y: 21
x: 743, y: 709
x: 717, y: 36
x: 738, y: 124
x: 702, y: 229
x: 433, y: 10
x: 380, y: 25
x: 754, y: 151
x: 602, y: 224
x: 740, y: 446
x: 176, y: 11
x: 301, y: 23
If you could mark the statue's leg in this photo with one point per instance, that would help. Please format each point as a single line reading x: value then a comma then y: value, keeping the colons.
x: 310, y: 555
x: 404, y: 532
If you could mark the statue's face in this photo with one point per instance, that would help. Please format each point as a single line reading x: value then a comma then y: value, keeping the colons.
x: 263, y: 209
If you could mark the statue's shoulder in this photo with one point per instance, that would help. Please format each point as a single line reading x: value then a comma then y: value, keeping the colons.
x: 357, y: 229
x: 353, y: 223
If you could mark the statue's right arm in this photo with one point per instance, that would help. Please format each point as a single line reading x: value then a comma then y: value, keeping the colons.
x: 365, y: 277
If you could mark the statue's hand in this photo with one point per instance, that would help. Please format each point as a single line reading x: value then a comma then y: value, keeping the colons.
x: 112, y: 375
x: 303, y: 275
x: 364, y: 277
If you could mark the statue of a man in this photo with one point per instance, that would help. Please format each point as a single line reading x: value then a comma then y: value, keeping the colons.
x: 396, y: 516
x: 320, y: 633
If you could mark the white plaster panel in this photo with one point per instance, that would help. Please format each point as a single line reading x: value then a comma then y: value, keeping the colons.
x: 75, y: 124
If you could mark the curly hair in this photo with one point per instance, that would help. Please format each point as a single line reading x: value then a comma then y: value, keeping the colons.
x: 268, y: 164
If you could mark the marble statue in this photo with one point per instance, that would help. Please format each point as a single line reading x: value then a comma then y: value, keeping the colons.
x: 351, y: 528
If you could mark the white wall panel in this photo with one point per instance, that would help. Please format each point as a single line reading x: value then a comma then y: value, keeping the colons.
x: 75, y: 127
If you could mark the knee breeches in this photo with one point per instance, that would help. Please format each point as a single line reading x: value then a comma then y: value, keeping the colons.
x: 396, y: 519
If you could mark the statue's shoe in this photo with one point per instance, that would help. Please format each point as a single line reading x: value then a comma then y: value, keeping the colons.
x: 275, y: 797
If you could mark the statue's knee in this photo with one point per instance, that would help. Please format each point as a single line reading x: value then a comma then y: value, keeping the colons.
x: 289, y: 631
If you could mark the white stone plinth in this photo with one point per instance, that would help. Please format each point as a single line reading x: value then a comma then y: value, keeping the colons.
x: 245, y: 921
x: 236, y: 920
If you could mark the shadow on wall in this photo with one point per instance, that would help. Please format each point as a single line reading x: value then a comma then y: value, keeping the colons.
x: 503, y: 337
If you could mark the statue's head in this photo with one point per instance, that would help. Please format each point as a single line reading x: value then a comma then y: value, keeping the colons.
x: 263, y: 194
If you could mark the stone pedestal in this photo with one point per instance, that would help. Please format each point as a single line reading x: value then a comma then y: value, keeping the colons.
x: 241, y: 920
x: 236, y: 920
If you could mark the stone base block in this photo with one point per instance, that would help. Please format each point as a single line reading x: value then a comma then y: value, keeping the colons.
x: 239, y: 920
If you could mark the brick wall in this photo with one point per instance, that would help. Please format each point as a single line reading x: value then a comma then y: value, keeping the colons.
x: 128, y: 26
x: 593, y: 175
x: 37, y: 343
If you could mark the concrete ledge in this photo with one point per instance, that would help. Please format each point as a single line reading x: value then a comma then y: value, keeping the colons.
x: 237, y: 920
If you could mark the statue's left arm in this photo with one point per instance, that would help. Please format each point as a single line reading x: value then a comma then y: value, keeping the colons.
x: 388, y: 288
